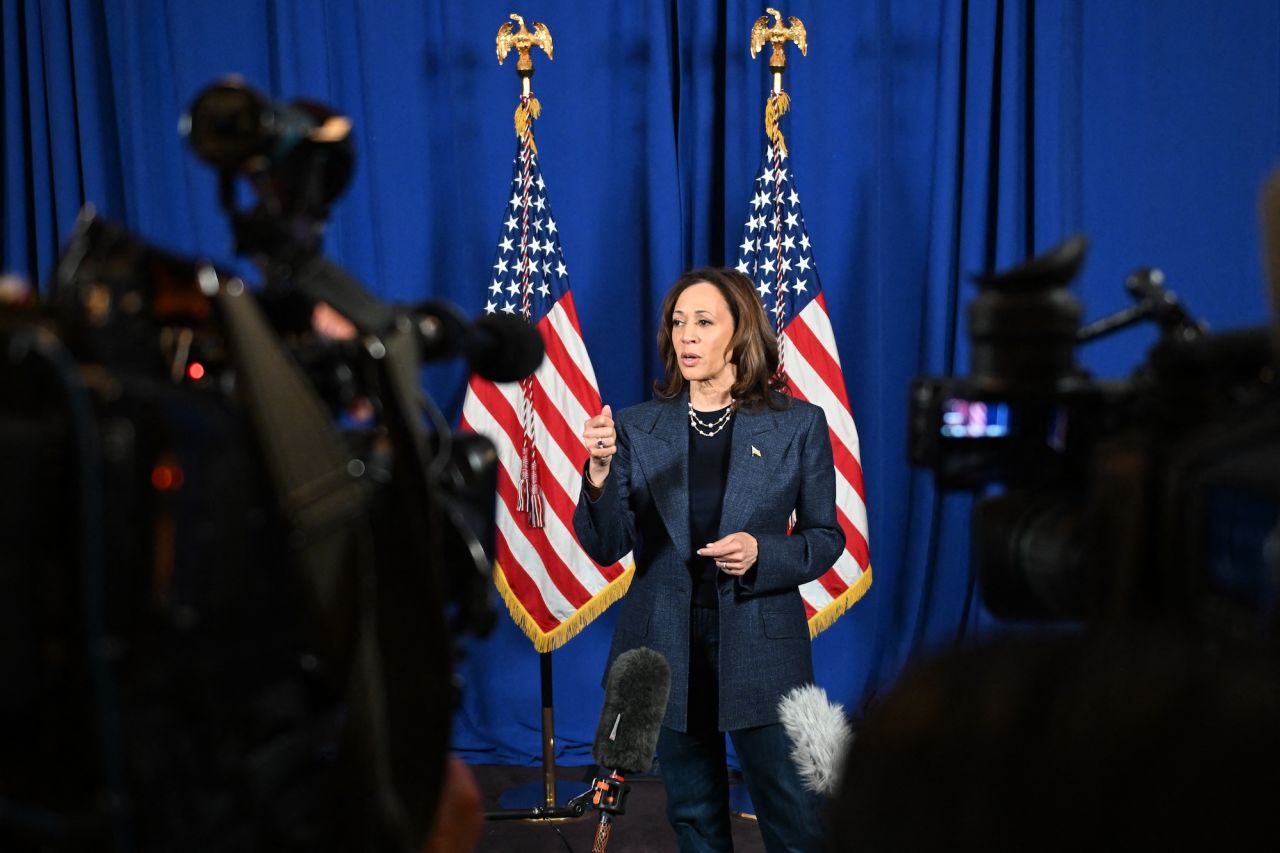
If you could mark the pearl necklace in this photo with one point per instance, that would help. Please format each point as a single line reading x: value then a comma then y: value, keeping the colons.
x: 709, y: 429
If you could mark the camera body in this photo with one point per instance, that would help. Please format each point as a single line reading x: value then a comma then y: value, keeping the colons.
x: 229, y: 609
x: 157, y: 642
x: 1153, y: 497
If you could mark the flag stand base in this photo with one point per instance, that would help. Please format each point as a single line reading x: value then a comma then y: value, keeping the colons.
x: 548, y: 810
x: 515, y: 803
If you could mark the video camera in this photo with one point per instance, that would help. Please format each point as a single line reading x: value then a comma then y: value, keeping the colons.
x: 1154, y: 497
x: 238, y: 550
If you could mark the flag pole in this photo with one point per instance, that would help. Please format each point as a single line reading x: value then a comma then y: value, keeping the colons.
x: 776, y: 105
x: 548, y: 810
x: 522, y: 41
x: 777, y: 255
x: 776, y: 35
x: 548, y: 737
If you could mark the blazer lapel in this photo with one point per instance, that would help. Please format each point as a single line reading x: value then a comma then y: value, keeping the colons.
x: 758, y: 444
x: 663, y: 455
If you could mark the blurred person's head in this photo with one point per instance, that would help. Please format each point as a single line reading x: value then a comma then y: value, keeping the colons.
x: 1062, y: 744
x: 14, y: 290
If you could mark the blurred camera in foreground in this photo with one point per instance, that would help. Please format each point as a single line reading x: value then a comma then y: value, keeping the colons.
x: 238, y: 548
x: 1151, y: 497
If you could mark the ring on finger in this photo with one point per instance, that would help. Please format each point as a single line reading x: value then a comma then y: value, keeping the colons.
x: 599, y: 442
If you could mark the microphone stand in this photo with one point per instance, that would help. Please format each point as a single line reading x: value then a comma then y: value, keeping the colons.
x: 608, y: 794
x: 547, y: 811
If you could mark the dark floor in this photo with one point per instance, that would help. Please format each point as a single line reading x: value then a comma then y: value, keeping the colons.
x: 642, y: 829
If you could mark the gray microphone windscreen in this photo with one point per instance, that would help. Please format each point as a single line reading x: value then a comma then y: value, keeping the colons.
x: 819, y: 734
x: 635, y: 701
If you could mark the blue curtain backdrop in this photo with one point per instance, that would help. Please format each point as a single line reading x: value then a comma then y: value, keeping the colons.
x: 930, y: 140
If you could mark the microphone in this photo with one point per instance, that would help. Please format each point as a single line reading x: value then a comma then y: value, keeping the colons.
x: 498, y: 347
x: 635, y: 701
x: 820, y: 736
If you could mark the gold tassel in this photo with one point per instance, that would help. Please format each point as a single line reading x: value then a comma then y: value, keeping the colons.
x: 776, y: 107
x: 525, y: 116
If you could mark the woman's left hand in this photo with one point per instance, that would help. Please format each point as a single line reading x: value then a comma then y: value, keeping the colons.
x: 734, y: 554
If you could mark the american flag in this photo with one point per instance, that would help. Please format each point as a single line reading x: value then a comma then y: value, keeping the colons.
x: 777, y: 255
x: 551, y: 587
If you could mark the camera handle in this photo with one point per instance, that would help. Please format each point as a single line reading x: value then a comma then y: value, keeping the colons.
x: 1146, y: 284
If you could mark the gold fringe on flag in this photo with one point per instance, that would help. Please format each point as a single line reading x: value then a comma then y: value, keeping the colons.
x: 569, y: 628
x: 823, y: 619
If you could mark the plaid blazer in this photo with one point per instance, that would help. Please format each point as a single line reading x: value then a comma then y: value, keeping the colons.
x: 780, y: 461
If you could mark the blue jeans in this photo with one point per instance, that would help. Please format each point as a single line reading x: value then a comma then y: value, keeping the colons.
x: 697, y: 778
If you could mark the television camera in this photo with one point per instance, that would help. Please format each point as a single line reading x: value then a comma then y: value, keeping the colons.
x: 238, y: 550
x: 1153, y: 497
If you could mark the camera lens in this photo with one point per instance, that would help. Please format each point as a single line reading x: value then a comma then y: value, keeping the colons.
x: 228, y: 124
x: 1031, y: 552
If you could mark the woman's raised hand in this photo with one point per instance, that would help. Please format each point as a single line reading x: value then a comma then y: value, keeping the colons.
x: 601, y: 440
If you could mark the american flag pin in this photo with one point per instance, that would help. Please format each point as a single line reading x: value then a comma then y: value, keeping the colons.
x: 755, y: 451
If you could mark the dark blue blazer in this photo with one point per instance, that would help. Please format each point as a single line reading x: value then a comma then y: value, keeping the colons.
x: 780, y: 461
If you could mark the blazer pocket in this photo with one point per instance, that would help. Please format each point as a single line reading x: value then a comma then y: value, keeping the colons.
x: 783, y: 625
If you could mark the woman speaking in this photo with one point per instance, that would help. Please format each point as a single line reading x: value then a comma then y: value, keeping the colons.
x: 723, y: 486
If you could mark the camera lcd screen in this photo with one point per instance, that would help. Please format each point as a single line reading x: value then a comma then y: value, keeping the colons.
x: 974, y: 419
x: 996, y: 419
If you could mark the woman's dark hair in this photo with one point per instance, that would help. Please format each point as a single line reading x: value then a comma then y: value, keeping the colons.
x: 753, y: 349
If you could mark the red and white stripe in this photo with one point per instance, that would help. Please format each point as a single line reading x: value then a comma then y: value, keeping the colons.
x: 552, y: 587
x: 813, y: 369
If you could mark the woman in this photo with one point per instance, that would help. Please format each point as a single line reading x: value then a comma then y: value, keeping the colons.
x: 701, y: 482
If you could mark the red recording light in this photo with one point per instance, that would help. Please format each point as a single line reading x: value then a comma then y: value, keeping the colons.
x: 195, y: 371
x: 166, y: 477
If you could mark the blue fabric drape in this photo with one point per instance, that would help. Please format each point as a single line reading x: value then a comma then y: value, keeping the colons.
x: 931, y: 140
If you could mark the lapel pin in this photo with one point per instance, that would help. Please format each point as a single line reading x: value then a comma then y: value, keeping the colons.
x: 755, y: 451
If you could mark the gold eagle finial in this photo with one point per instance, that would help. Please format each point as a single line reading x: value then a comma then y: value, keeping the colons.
x: 778, y: 35
x: 523, y: 40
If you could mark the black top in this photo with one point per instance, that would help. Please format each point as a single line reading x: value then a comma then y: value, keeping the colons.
x: 708, y: 472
